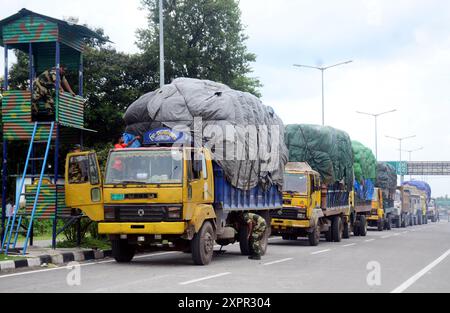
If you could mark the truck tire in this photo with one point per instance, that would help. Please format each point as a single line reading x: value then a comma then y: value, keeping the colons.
x: 398, y: 222
x: 314, y: 237
x: 202, y: 245
x: 346, y: 232
x: 356, y: 228
x: 329, y: 234
x: 245, y: 244
x: 380, y: 225
x: 419, y: 219
x: 425, y: 219
x: 388, y: 224
x: 363, y: 226
x: 337, y: 228
x: 122, y: 251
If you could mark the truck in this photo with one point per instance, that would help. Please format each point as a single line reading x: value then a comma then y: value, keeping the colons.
x: 433, y: 212
x: 365, y: 166
x: 383, y: 213
x: 402, y: 208
x: 318, y: 182
x: 164, y: 196
x: 311, y: 208
x: 422, y: 196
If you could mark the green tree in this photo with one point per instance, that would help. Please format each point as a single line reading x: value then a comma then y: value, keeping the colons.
x: 203, y: 39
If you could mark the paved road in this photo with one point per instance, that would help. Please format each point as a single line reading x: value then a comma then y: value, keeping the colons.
x: 403, y: 260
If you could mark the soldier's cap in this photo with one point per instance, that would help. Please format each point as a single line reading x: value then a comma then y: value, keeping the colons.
x: 76, y: 147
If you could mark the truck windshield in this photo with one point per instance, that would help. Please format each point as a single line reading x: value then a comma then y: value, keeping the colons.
x: 295, y: 183
x: 144, y: 167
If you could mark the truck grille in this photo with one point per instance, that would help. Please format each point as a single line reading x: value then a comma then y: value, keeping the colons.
x: 139, y: 213
x: 286, y: 213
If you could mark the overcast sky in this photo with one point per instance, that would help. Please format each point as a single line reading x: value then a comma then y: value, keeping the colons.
x: 400, y: 49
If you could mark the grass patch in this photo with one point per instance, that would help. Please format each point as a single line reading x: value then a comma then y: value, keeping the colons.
x: 89, y: 243
x: 10, y: 257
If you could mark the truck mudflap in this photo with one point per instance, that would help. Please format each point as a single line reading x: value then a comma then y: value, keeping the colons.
x: 161, y: 228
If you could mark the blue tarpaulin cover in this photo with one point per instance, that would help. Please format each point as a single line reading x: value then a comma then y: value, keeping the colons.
x: 421, y: 185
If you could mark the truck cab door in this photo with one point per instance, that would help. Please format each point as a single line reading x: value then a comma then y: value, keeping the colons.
x: 83, y: 184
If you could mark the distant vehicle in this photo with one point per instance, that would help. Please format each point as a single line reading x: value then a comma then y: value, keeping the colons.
x: 433, y: 212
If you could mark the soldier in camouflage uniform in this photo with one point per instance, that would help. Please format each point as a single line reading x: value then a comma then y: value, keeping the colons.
x: 44, y: 90
x: 75, y: 172
x: 257, y: 228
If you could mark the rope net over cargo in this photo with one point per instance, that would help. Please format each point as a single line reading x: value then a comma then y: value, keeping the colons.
x: 244, y: 136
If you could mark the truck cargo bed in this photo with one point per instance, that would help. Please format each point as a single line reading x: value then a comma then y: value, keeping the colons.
x: 230, y: 198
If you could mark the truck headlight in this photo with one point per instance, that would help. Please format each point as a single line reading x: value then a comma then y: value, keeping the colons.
x: 174, y: 212
x: 301, y: 216
x: 110, y: 213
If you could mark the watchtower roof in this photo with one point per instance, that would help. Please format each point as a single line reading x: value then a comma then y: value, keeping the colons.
x: 14, y: 33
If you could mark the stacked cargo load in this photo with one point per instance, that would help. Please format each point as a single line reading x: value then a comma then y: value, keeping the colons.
x: 365, y: 167
x: 319, y: 180
x: 228, y: 122
x: 424, y: 194
x: 327, y: 150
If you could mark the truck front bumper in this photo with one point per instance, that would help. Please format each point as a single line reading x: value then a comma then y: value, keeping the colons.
x: 373, y: 218
x: 280, y: 224
x: 163, y: 228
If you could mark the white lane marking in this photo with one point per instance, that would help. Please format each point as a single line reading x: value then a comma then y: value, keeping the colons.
x: 349, y: 245
x: 386, y: 237
x: 204, y: 278
x: 405, y: 232
x: 416, y: 277
x: 84, y: 264
x: 396, y: 234
x: 321, y: 251
x: 279, y: 261
x: 369, y: 240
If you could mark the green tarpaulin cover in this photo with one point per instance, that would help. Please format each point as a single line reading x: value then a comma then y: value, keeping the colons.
x: 365, y: 162
x: 327, y: 150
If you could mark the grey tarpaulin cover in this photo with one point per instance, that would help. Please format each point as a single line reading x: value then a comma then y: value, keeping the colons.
x: 327, y: 150
x: 386, y: 177
x: 177, y: 104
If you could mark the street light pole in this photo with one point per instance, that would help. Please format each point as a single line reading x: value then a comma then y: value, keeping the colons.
x: 161, y: 44
x: 375, y: 116
x: 400, y: 140
x: 323, y: 69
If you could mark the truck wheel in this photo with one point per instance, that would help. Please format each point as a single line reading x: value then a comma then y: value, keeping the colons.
x: 329, y: 234
x: 389, y: 223
x: 346, y: 232
x: 363, y: 226
x: 337, y: 228
x: 314, y: 237
x: 356, y: 227
x: 380, y: 225
x: 425, y: 218
x: 419, y: 219
x: 245, y: 244
x: 398, y: 222
x: 122, y: 251
x: 203, y: 245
